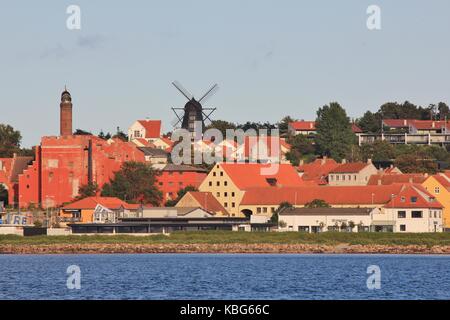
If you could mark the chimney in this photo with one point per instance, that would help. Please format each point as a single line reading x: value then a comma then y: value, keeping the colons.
x: 410, y: 180
x: 433, y: 125
x: 344, y: 161
x: 323, y: 161
x: 379, y: 182
x: 369, y: 161
x: 405, y: 122
x: 65, y: 120
x: 302, y: 162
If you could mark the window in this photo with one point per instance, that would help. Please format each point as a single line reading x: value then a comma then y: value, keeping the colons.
x: 437, y: 190
x: 210, y: 183
x: 354, y: 177
x: 416, y: 214
x: 218, y: 183
x: 232, y: 194
x: 258, y: 210
x: 218, y: 194
x: 349, y: 178
x: 225, y: 183
x: 403, y: 227
x: 331, y: 177
x: 413, y: 199
x: 265, y: 210
x: 137, y: 134
x: 225, y: 204
x: 214, y: 174
x: 221, y: 173
x: 343, y: 177
x: 402, y: 199
x: 337, y: 178
x: 225, y: 194
x: 233, y: 205
x: 272, y: 210
x: 401, y: 214
x: 303, y: 229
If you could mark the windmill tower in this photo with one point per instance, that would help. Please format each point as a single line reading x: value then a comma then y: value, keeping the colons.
x: 193, y: 112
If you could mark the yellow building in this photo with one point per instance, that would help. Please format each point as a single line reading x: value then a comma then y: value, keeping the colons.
x: 227, y: 182
x: 439, y: 186
x: 204, y: 200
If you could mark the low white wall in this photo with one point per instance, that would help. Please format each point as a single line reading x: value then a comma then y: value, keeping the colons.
x: 11, y: 230
x: 59, y: 232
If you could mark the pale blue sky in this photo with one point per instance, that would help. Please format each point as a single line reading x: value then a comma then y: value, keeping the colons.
x: 270, y: 58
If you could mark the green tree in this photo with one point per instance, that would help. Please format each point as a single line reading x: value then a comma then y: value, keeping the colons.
x: 334, y: 132
x: 378, y: 151
x: 180, y: 194
x: 416, y: 163
x: 9, y: 141
x: 222, y: 126
x: 88, y: 190
x: 370, y: 122
x: 282, y: 206
x: 80, y: 132
x: 301, y: 148
x: 284, y: 123
x: 317, y: 203
x: 120, y: 135
x: 135, y: 182
x: 444, y: 111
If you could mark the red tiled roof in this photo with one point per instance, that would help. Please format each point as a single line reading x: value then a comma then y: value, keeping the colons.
x: 256, y: 143
x: 351, y: 167
x: 317, y: 170
x: 152, y: 128
x: 92, y: 202
x: 207, y: 201
x: 442, y: 180
x: 423, y: 199
x: 386, y: 179
x: 333, y: 195
x: 303, y: 125
x: 397, y: 123
x: 356, y: 129
x: 248, y: 175
x: 428, y: 124
x: 311, y: 126
x: 145, y: 143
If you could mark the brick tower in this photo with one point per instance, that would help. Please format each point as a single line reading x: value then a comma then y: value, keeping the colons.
x: 66, y: 114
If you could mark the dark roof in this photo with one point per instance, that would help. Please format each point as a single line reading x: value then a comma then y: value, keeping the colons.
x: 20, y: 164
x: 153, y: 152
x: 182, y: 167
x: 326, y: 211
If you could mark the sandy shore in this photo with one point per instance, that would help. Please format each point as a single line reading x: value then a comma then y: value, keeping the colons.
x: 219, y: 248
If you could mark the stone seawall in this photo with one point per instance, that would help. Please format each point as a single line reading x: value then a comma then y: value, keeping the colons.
x: 219, y: 248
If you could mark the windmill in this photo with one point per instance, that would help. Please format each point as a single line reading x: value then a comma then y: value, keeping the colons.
x: 193, y: 112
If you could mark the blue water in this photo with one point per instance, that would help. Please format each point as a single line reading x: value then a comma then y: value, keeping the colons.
x: 180, y: 276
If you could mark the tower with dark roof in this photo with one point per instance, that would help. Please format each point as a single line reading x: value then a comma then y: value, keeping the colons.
x: 66, y: 114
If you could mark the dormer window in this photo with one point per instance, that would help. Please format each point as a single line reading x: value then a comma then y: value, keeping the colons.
x: 413, y: 199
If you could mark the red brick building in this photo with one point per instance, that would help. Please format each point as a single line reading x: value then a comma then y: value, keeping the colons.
x: 10, y: 168
x: 173, y: 178
x: 63, y: 164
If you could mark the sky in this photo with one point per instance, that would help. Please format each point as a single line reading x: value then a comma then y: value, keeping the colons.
x: 271, y: 58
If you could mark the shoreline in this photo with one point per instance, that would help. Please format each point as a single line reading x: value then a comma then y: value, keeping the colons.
x: 231, y: 248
